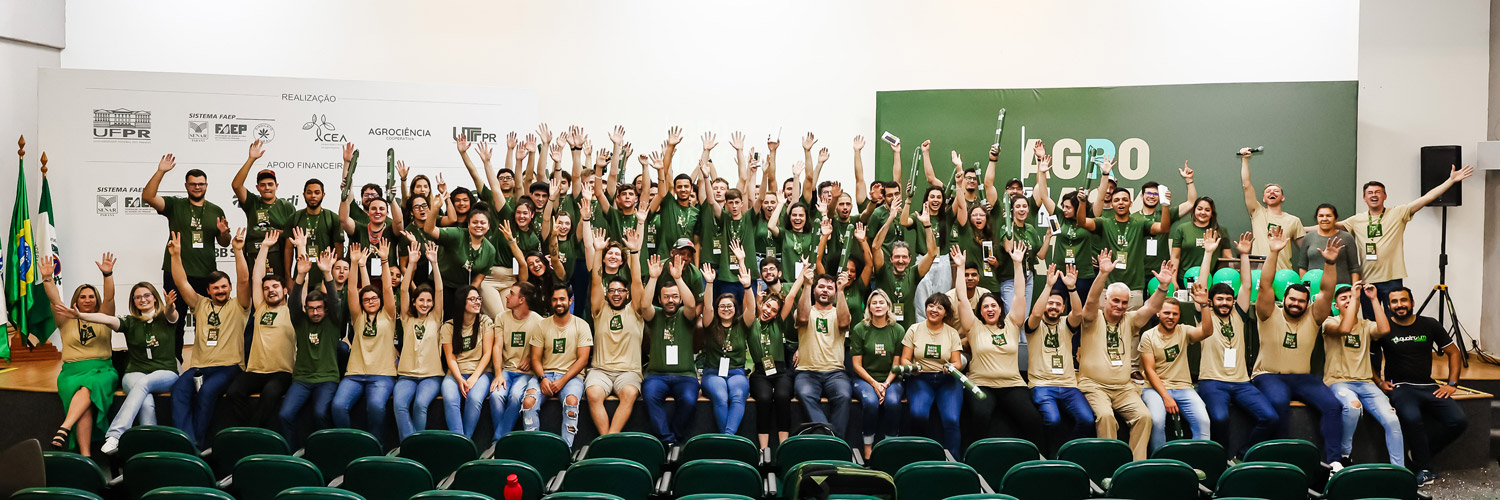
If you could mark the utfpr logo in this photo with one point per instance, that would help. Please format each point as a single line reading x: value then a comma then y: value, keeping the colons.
x: 473, y: 134
x: 122, y: 125
x: 323, y: 130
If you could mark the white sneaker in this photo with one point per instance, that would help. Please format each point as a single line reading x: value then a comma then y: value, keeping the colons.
x: 1336, y: 466
x: 110, y: 445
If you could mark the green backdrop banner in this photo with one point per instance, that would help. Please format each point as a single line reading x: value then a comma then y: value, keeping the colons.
x: 1308, y: 130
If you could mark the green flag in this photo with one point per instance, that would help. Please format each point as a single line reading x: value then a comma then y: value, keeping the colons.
x: 42, y: 324
x: 20, y: 271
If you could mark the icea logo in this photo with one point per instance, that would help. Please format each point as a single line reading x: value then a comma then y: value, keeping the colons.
x: 1070, y: 158
x: 323, y: 130
x: 122, y: 125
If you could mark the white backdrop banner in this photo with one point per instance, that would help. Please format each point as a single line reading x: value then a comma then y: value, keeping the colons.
x: 104, y: 132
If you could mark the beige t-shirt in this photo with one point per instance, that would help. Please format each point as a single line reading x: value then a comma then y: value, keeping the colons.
x: 1261, y: 220
x: 373, y: 351
x: 82, y: 340
x: 1347, y: 357
x: 932, y: 349
x: 1169, y: 350
x: 1105, y: 351
x: 219, y: 340
x: 421, y: 351
x: 274, y: 348
x: 1225, y: 341
x: 979, y: 291
x: 1050, y: 356
x: 1381, y: 242
x: 468, y: 360
x: 511, y: 337
x: 820, y: 344
x: 560, y: 343
x: 617, y: 347
x: 995, y: 349
x: 1286, y: 346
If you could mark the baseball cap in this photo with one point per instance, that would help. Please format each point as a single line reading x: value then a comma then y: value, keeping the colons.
x: 683, y: 243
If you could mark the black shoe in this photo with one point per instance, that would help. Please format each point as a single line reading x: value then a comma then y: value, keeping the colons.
x: 1426, y: 477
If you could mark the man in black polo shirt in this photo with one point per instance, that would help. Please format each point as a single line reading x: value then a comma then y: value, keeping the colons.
x: 1407, y: 376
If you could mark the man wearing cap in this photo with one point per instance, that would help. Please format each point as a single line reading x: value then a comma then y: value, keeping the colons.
x: 691, y: 276
x: 262, y: 214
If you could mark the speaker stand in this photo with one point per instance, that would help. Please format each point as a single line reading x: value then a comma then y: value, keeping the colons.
x: 1447, y: 315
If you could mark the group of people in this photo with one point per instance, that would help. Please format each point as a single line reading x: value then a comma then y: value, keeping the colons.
x: 541, y: 281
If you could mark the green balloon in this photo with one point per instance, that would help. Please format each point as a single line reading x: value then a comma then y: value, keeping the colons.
x: 1154, y: 285
x: 1190, y: 275
x: 1230, y: 276
x: 1283, y: 279
x: 1254, y: 285
x: 1313, y: 279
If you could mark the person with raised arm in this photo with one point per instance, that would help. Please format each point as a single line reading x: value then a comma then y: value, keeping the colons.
x: 1380, y: 233
x: 900, y: 278
x: 1346, y: 370
x: 514, y: 387
x: 933, y: 347
x: 1223, y: 374
x: 725, y: 328
x: 419, y: 372
x: 1128, y: 237
x: 669, y: 337
x: 467, y: 342
x: 1350, y: 265
x: 1187, y: 237
x: 273, y: 342
x: 1073, y: 245
x: 262, y: 213
x: 772, y: 384
x: 1266, y: 215
x: 88, y: 378
x: 372, y: 354
x: 618, y: 303
x: 1108, y: 337
x: 1288, y: 333
x: 219, y: 349
x: 381, y: 227
x: 994, y: 338
x: 321, y: 226
x: 1050, y: 368
x: 795, y: 230
x: 1164, y: 361
x: 559, y: 350
x: 202, y: 225
x: 152, y: 369
x: 822, y: 319
x: 318, y: 317
x: 1156, y: 206
x: 893, y: 202
x: 466, y: 256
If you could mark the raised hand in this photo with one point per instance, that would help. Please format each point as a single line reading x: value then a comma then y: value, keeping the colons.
x: 859, y: 231
x: 484, y: 152
x: 808, y: 141
x: 1245, y: 152
x: 1459, y: 174
x: 174, y: 244
x: 1243, y: 245
x: 709, y: 141
x: 431, y: 251
x: 1366, y: 289
x: 835, y: 191
x: 413, y: 248
x: 1200, y: 293
x: 1107, y: 165
x: 923, y: 217
x: 1186, y: 172
x: 958, y: 161
x: 822, y: 156
x: 709, y: 274
x: 462, y: 142
x: 272, y: 236
x: 1211, y: 240
x: 1105, y: 261
x: 510, y: 140
x: 303, y: 265
x: 827, y: 228
x: 257, y: 150
x: 1018, y: 251
x: 1331, y: 250
x: 348, y: 150
x: 653, y: 266
x: 737, y: 140
x: 401, y: 169
x: 223, y: 225
x: 106, y: 263
x: 676, y: 268
x: 674, y: 136
x: 238, y: 243
x: 617, y: 135
x: 1070, y: 278
x: 798, y: 168
x: 544, y: 132
x: 1052, y: 275
x: 926, y: 147
x: 601, y: 240
x: 325, y: 261
x: 859, y: 143
x: 957, y: 255
x: 1038, y: 150
x: 442, y: 188
x: 1277, y: 239
x: 1167, y: 274
x: 807, y: 270
x: 556, y: 152
x: 357, y: 253
x: 506, y: 231
x: 737, y: 249
x: 633, y: 239
x: 171, y: 298
x: 298, y: 237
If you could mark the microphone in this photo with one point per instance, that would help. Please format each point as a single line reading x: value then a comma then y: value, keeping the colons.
x: 1254, y: 150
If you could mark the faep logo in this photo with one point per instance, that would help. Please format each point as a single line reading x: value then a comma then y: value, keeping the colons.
x: 122, y: 125
x: 1071, y: 158
x: 323, y: 130
x: 472, y: 134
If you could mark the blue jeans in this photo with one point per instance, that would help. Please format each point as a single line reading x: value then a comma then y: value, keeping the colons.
x: 1359, y: 395
x: 728, y: 397
x: 410, y: 397
x: 1188, y: 403
x: 193, y: 406
x: 505, y: 404
x: 462, y: 413
x: 291, y: 405
x: 376, y: 390
x: 1007, y: 294
x: 925, y: 389
x: 878, y: 417
x: 684, y: 392
x: 572, y: 389
x: 138, y: 404
x: 1382, y: 291
x: 1415, y: 404
x: 1050, y: 399
x: 1280, y: 388
x: 1217, y: 396
x: 812, y: 387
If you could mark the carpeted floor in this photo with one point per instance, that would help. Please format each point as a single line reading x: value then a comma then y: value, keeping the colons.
x: 1467, y: 484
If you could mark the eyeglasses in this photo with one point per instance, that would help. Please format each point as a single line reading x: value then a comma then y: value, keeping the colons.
x: 197, y: 184
x: 143, y: 296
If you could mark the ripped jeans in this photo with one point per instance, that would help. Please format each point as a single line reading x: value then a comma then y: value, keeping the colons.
x: 570, y: 395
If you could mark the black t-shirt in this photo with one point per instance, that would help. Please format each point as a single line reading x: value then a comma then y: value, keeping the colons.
x: 1408, y: 351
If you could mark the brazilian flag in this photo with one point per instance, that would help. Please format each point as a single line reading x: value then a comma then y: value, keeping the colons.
x: 20, y: 269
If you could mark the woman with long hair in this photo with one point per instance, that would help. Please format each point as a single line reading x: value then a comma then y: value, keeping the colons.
x: 1018, y: 232
x: 372, y: 354
x: 772, y: 383
x: 87, y: 380
x: 467, y: 343
x: 933, y: 346
x: 873, y: 350
x: 1074, y: 245
x: 420, y: 371
x: 726, y: 328
x: 1187, y: 239
x: 994, y: 338
x: 795, y: 232
x: 149, y: 338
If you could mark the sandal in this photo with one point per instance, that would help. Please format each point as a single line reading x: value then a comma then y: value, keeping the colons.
x: 60, y: 440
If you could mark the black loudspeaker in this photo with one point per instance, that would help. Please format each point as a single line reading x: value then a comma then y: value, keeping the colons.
x: 1437, y: 164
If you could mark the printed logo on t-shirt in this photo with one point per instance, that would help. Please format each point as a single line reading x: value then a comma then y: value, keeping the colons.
x: 998, y: 339
x: 932, y: 351
x: 1290, y: 342
x: 517, y: 339
x: 420, y: 330
x: 821, y: 326
x: 86, y: 333
x: 1352, y: 341
x: 879, y: 349
x: 268, y: 318
x: 369, y: 329
x: 1171, y: 353
x: 616, y: 324
x: 213, y: 318
x: 559, y: 345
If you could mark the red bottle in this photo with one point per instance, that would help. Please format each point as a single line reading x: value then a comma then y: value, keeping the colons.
x: 512, y: 487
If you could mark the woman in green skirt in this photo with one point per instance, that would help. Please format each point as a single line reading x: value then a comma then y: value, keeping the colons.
x: 87, y: 380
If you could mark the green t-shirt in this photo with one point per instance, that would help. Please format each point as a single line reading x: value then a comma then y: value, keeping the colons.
x: 152, y: 345
x: 357, y: 212
x: 459, y: 261
x: 765, y: 244
x: 1032, y: 237
x: 1074, y: 245
x: 795, y: 246
x: 1154, y: 260
x: 666, y: 332
x: 855, y: 295
x: 733, y: 348
x: 728, y: 229
x: 615, y: 223
x: 1188, y: 237
x: 199, y: 226
x: 902, y: 290
x: 690, y: 274
x: 261, y: 217
x: 1127, y: 241
x: 323, y: 229
x: 317, y: 345
x: 768, y: 340
x: 571, y: 251
x: 877, y: 347
x: 365, y: 239
x: 708, y: 234
x: 676, y: 222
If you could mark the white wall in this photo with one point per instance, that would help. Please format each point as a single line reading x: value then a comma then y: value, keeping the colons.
x: 31, y: 37
x: 1424, y: 80
x: 754, y: 66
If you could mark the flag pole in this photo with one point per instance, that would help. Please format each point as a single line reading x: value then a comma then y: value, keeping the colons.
x: 13, y: 334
